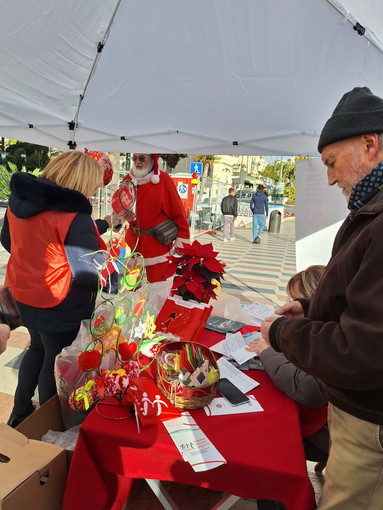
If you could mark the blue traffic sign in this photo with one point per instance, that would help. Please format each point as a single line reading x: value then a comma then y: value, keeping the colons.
x: 196, y: 168
x: 182, y: 189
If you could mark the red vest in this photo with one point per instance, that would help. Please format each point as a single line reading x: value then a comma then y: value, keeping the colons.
x: 38, y: 271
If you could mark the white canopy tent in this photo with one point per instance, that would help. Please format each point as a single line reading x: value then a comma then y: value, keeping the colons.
x: 200, y: 77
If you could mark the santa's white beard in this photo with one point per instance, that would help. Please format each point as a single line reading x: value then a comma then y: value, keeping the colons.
x: 138, y: 172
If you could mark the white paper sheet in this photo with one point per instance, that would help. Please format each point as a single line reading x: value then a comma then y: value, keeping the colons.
x: 259, y: 311
x: 236, y: 376
x: 219, y: 406
x: 192, y: 443
x: 233, y: 346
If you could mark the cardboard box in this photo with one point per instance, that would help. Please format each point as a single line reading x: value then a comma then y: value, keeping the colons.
x: 35, y: 474
x: 47, y: 417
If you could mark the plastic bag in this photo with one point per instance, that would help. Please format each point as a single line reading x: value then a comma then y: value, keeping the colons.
x: 68, y: 374
x: 229, y: 307
x: 66, y: 440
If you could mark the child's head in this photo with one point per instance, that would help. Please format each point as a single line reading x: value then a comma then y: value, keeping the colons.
x: 304, y: 283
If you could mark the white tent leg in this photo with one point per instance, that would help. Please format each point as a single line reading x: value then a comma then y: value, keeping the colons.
x: 227, y: 501
x: 162, y: 494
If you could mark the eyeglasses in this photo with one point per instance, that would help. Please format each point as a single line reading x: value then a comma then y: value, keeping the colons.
x: 141, y: 158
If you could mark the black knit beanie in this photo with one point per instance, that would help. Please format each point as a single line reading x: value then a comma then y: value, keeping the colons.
x: 359, y: 112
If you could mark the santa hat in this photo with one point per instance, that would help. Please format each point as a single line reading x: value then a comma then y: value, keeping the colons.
x: 155, y: 178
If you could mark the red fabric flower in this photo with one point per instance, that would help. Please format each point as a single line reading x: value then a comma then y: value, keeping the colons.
x: 89, y: 360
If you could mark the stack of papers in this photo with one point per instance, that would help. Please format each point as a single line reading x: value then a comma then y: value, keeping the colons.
x: 238, y: 378
x: 233, y: 346
x: 192, y: 443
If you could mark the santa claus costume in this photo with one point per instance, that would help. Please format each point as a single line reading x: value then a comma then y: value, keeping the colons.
x: 157, y: 200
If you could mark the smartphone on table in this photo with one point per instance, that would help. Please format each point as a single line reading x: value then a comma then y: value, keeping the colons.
x: 231, y: 393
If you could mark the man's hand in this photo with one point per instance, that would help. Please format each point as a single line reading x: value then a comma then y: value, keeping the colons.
x: 258, y: 345
x: 5, y: 332
x: 265, y: 327
x: 292, y: 310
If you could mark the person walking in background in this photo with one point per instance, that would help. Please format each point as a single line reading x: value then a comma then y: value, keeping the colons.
x: 259, y: 206
x: 229, y: 209
x: 157, y: 201
x: 53, y: 244
x: 337, y: 335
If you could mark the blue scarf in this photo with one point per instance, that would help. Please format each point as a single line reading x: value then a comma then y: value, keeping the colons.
x: 366, y: 188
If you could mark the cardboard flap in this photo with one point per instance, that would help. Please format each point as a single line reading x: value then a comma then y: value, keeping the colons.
x: 26, y: 458
x: 8, y: 434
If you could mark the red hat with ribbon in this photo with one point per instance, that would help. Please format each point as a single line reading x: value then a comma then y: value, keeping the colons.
x: 104, y: 161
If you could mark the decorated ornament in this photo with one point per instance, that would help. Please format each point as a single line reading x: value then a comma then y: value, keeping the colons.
x: 105, y: 162
x: 112, y: 382
x: 150, y: 325
x: 124, y: 197
x: 127, y: 350
x: 84, y: 396
x: 89, y: 360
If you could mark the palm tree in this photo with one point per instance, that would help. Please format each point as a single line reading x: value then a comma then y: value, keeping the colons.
x: 208, y: 161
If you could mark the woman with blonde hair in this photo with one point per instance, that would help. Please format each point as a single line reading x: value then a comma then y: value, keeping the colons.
x: 52, y: 239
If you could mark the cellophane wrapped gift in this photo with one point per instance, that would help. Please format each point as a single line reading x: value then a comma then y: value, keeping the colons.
x: 68, y: 374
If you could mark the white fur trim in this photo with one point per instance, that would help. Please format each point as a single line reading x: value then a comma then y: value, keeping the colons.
x: 155, y: 178
x: 157, y: 260
x: 142, y: 180
x: 180, y: 241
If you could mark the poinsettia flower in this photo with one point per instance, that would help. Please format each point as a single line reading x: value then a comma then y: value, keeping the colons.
x: 194, y: 271
x: 197, y: 249
x: 178, y: 281
x: 171, y: 267
x: 192, y: 286
x: 213, y: 265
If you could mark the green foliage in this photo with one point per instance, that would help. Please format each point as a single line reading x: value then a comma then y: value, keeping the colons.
x: 27, y: 155
x: 5, y: 179
x: 271, y: 172
x: 281, y: 171
x: 172, y: 159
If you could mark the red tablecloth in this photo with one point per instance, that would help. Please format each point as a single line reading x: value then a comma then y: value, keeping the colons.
x: 264, y: 453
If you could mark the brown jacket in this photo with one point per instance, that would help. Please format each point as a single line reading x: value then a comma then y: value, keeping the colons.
x: 340, y: 340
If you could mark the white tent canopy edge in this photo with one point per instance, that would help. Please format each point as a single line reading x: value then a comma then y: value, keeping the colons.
x: 202, y: 77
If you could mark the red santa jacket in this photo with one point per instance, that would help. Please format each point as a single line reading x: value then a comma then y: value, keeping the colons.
x: 156, y: 203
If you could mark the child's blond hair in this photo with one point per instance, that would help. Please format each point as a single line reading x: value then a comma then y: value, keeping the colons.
x: 304, y: 283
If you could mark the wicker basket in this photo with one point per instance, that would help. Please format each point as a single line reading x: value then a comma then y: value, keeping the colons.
x: 185, y: 397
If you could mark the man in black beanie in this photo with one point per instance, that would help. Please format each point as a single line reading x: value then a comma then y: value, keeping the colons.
x: 337, y: 336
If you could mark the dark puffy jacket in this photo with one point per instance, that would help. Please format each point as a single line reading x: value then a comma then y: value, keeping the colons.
x: 31, y: 196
